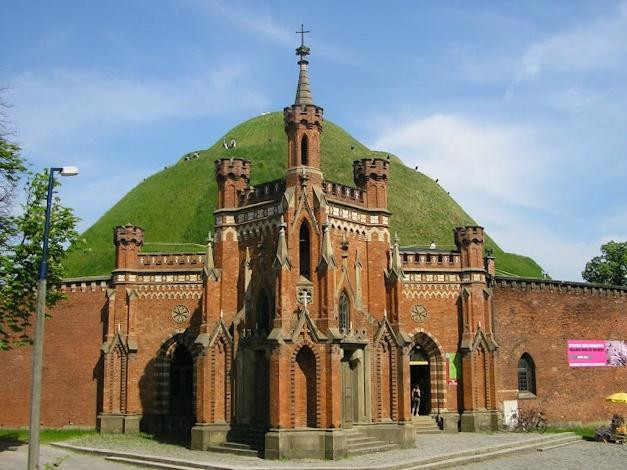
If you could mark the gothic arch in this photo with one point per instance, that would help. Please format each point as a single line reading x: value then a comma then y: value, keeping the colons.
x: 304, y: 150
x: 304, y: 249
x: 433, y: 349
x: 263, y: 309
x: 163, y: 362
x: 526, y: 374
x: 344, y: 311
x: 306, y: 364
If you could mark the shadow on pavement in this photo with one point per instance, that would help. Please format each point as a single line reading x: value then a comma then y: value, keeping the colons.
x: 10, y: 441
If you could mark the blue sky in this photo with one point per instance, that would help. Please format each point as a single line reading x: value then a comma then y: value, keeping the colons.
x: 518, y: 108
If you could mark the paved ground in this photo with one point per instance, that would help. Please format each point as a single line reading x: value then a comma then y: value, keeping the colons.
x: 583, y: 455
x: 16, y: 459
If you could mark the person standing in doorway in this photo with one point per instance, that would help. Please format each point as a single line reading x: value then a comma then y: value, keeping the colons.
x: 415, y: 400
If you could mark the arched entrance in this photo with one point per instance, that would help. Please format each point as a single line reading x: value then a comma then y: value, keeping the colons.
x: 427, y: 369
x: 174, y: 388
x: 420, y: 373
x: 182, y: 383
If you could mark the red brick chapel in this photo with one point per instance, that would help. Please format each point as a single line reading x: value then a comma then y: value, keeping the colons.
x: 304, y: 326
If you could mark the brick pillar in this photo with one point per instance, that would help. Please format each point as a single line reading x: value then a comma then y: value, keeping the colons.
x: 477, y: 343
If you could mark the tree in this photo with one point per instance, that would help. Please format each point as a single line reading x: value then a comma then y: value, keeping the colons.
x: 21, y: 236
x: 610, y: 267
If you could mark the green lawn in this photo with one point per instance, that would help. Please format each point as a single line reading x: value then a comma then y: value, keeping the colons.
x: 586, y: 432
x: 20, y: 436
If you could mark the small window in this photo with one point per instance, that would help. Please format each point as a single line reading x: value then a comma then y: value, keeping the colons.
x: 263, y: 312
x: 304, y: 247
x: 344, y: 318
x: 526, y: 374
x: 304, y: 151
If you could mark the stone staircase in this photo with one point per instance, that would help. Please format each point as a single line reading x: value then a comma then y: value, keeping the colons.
x: 359, y: 443
x: 425, y: 425
x: 246, y: 441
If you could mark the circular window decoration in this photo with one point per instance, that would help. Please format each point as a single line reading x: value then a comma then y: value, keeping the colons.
x: 180, y: 313
x: 418, y: 313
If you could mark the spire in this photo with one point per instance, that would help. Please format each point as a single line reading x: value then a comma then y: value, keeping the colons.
x: 303, y: 90
x: 395, y: 271
x: 281, y: 259
x: 327, y: 258
x: 210, y: 270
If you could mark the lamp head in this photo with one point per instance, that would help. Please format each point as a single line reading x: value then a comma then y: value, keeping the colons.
x: 68, y: 171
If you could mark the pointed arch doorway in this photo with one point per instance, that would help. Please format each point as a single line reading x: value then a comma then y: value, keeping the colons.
x: 427, y: 370
x: 420, y: 373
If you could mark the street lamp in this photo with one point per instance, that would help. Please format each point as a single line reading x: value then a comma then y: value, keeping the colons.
x: 35, y: 396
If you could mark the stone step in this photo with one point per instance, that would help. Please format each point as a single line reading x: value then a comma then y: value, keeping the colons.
x: 149, y: 464
x: 425, y: 425
x: 245, y: 450
x: 428, y: 431
x: 361, y: 440
x: 371, y: 449
x: 572, y: 441
x: 457, y: 459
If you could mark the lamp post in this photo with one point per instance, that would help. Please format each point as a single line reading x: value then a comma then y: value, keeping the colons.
x: 38, y: 349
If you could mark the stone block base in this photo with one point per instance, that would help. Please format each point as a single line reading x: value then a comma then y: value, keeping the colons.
x: 450, y: 421
x: 477, y: 421
x: 403, y: 434
x: 118, y: 423
x: 305, y: 444
x: 204, y: 435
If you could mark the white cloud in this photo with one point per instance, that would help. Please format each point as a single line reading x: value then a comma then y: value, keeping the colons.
x: 472, y: 158
x: 50, y: 106
x: 259, y: 20
x: 506, y: 179
x: 598, y: 45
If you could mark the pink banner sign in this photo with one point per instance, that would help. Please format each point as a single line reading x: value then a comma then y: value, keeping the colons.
x: 587, y: 353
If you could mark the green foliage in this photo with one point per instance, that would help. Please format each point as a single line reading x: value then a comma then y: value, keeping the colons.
x: 20, y: 256
x: 11, y: 169
x: 176, y: 205
x: 20, y: 436
x: 610, y: 267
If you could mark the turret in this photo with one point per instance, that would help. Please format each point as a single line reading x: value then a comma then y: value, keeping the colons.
x: 469, y: 241
x: 232, y: 175
x: 303, y: 126
x: 128, y: 240
x: 371, y: 176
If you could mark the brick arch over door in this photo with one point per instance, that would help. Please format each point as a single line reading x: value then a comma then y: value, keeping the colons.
x: 162, y: 369
x: 437, y: 367
x: 305, y: 385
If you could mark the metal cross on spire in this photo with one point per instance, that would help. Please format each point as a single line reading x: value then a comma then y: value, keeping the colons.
x: 302, y: 50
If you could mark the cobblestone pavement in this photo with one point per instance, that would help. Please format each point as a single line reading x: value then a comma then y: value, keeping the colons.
x: 583, y: 455
x: 426, y: 446
x: 16, y: 459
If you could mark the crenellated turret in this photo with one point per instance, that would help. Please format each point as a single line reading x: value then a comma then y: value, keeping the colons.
x: 469, y: 241
x: 128, y: 240
x: 232, y: 175
x: 371, y: 176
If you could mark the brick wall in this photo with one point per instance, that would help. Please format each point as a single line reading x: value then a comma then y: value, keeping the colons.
x: 538, y: 319
x: 72, y: 367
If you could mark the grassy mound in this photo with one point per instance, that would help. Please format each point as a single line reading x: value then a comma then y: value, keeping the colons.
x: 175, y: 206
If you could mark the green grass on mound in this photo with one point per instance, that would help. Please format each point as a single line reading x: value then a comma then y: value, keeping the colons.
x: 176, y: 205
